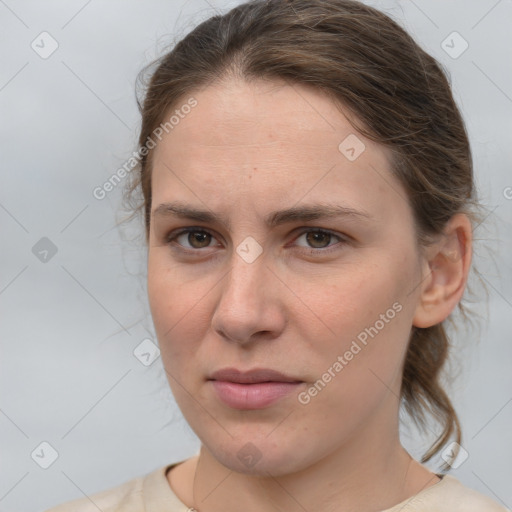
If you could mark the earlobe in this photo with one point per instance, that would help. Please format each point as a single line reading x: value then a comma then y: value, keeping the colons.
x: 446, y: 270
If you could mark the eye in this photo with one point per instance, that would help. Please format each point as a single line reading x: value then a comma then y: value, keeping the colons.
x: 192, y: 238
x: 318, y: 239
x: 315, y: 241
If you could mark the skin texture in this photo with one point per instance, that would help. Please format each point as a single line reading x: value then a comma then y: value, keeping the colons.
x: 244, y: 151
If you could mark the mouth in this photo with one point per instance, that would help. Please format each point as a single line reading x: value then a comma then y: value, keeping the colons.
x: 253, y: 389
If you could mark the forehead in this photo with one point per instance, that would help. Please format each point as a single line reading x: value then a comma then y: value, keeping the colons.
x: 260, y: 111
x: 243, y: 142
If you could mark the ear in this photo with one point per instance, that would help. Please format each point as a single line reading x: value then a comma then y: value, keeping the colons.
x: 446, y: 270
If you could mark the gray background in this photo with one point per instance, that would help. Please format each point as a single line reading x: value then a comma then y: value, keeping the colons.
x: 70, y: 324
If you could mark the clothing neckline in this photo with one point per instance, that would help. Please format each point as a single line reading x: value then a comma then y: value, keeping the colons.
x: 158, y: 482
x: 444, y: 479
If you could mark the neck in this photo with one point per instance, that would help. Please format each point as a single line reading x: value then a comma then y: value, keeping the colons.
x: 357, y: 477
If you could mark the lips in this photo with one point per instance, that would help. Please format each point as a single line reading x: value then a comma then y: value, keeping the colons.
x: 251, y: 376
x: 253, y: 389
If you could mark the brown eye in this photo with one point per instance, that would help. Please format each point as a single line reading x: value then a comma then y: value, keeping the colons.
x: 318, y: 242
x: 199, y: 239
x: 318, y: 239
x: 192, y: 239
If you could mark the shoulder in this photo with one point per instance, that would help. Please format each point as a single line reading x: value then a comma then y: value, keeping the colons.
x: 127, y: 496
x: 135, y: 495
x: 450, y: 495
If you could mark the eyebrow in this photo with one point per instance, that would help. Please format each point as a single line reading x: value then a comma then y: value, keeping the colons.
x: 301, y: 213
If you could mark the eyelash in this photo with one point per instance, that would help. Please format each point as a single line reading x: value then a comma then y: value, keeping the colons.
x: 309, y: 250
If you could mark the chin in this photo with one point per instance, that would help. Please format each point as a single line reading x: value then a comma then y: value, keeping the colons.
x: 263, y: 455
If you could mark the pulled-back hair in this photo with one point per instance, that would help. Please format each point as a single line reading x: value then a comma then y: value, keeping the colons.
x: 396, y: 94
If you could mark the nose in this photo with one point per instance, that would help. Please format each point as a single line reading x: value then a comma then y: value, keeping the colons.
x: 249, y: 306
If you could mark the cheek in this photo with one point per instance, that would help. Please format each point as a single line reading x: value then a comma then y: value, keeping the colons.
x: 364, y: 318
x: 341, y: 305
x: 178, y: 306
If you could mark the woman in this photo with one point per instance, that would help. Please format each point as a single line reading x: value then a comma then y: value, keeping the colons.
x: 308, y: 198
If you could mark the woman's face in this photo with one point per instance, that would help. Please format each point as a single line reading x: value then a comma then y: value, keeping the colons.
x: 301, y: 259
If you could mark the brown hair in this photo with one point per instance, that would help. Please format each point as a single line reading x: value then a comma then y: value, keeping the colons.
x: 399, y: 96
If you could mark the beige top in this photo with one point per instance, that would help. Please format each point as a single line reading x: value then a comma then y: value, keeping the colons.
x: 152, y: 493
